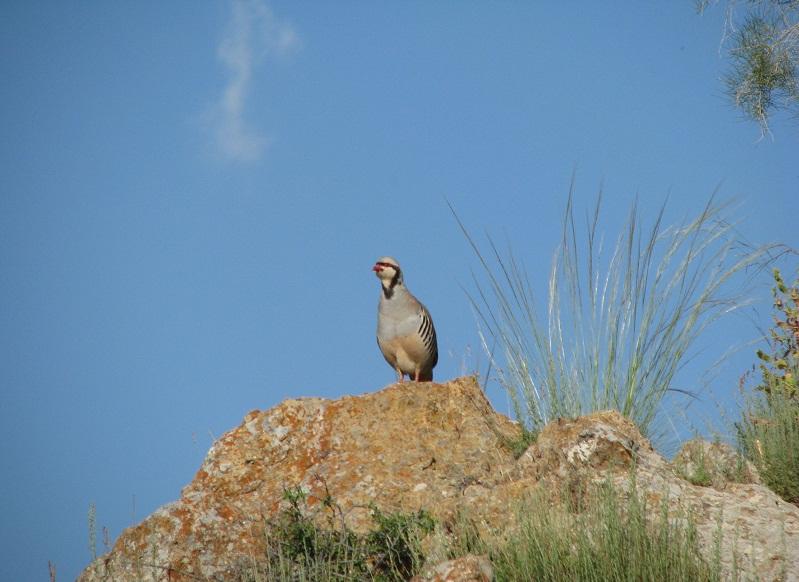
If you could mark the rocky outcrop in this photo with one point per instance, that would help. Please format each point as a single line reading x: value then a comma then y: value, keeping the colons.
x: 438, y: 447
x: 713, y: 464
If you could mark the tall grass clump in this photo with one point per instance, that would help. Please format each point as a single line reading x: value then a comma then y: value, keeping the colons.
x: 618, y: 325
x: 613, y: 540
x: 768, y: 432
x: 613, y: 535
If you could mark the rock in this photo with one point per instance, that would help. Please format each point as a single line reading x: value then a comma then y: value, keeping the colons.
x: 469, y: 568
x: 713, y: 464
x: 760, y: 531
x: 438, y: 447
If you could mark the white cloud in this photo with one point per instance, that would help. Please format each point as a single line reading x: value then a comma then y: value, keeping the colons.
x: 252, y: 35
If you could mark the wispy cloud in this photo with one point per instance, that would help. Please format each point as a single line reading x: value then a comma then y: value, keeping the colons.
x: 252, y: 35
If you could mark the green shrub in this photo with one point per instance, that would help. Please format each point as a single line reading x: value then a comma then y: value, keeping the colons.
x: 768, y: 432
x: 299, y: 549
x: 768, y: 435
x: 395, y: 545
x: 779, y: 368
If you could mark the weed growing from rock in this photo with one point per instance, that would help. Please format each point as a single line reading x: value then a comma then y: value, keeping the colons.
x: 300, y: 549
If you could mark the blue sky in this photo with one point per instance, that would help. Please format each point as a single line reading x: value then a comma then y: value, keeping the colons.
x: 194, y: 194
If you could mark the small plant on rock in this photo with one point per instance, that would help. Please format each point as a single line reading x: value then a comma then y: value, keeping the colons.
x: 300, y: 548
x: 768, y: 432
x: 395, y: 544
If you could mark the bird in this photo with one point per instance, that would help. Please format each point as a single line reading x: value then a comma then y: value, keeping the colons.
x: 405, y: 331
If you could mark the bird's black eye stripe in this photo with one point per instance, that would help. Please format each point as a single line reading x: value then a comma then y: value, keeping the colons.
x: 395, y: 267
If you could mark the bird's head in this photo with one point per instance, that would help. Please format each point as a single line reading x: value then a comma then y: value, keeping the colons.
x: 388, y: 271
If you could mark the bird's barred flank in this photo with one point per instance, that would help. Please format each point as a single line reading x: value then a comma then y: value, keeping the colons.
x: 428, y: 334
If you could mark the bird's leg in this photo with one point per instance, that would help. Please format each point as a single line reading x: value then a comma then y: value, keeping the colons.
x: 416, y: 376
x: 400, y: 376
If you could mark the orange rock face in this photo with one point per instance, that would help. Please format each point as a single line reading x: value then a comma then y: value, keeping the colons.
x: 439, y: 447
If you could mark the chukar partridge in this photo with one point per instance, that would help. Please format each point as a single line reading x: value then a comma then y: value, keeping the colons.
x: 405, y: 331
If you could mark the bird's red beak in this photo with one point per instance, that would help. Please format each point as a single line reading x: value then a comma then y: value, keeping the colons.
x: 377, y: 268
